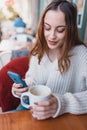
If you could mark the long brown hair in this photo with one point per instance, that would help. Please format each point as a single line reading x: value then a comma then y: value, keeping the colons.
x: 72, y: 37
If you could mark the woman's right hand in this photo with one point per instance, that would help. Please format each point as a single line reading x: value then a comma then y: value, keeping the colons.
x: 17, y: 89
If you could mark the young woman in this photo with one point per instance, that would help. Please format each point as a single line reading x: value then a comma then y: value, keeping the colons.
x: 58, y: 60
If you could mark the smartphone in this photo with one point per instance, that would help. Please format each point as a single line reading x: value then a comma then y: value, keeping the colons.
x: 16, y: 78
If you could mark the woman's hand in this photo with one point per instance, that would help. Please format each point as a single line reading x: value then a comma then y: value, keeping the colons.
x: 18, y: 89
x: 45, y: 109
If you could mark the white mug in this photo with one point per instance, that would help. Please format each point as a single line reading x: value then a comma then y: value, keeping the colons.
x: 35, y: 94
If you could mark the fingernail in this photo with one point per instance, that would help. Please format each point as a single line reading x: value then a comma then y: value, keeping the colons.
x: 34, y: 115
x: 30, y: 108
x: 36, y: 103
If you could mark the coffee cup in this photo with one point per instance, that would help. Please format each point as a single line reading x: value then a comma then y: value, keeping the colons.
x: 35, y: 94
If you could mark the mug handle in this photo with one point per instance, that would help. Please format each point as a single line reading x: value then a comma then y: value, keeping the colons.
x: 22, y: 102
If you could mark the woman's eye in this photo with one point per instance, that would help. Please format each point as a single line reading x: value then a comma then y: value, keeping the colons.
x: 61, y: 30
x: 46, y: 28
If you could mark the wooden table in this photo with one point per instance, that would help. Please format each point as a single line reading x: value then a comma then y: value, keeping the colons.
x: 23, y: 120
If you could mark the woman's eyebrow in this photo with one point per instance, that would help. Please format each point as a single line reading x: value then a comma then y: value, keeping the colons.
x: 46, y: 23
x: 61, y: 26
x: 57, y: 26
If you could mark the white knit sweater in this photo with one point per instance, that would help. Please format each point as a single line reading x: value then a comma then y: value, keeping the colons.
x: 70, y: 88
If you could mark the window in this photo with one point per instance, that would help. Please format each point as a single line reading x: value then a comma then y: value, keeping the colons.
x: 80, y: 7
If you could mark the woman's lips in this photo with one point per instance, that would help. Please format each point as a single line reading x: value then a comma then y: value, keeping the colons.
x: 52, y: 42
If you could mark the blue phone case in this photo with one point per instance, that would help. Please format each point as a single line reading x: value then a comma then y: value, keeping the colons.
x: 16, y: 78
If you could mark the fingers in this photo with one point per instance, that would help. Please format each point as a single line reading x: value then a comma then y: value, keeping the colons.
x: 18, y: 90
x: 42, y: 111
x: 42, y: 117
x: 47, y: 102
x: 45, y: 109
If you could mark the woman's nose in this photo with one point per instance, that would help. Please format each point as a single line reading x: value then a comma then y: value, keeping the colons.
x: 53, y: 35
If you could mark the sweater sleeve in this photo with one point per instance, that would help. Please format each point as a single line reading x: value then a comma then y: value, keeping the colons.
x: 72, y: 103
x: 14, y: 94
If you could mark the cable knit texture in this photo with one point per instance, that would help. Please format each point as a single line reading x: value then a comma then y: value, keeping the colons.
x: 70, y: 88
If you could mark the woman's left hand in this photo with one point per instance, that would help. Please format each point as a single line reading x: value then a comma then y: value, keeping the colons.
x: 45, y: 109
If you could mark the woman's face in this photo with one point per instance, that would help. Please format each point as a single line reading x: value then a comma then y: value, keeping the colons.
x: 54, y: 29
